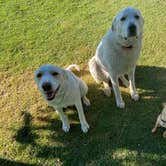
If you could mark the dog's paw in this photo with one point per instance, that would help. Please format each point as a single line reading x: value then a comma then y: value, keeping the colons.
x: 66, y: 128
x: 153, y: 130
x: 107, y: 92
x: 86, y: 101
x: 135, y: 96
x: 121, y: 105
x: 85, y: 127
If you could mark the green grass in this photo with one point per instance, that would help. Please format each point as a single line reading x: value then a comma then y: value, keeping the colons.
x: 35, y: 32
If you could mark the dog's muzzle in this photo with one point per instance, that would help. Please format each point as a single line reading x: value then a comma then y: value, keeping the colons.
x: 132, y: 30
x: 47, y: 86
x: 49, y: 91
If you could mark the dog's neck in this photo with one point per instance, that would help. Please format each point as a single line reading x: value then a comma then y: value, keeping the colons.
x: 128, y: 46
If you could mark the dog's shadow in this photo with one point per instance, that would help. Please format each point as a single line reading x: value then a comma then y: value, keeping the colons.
x: 112, y: 130
x: 24, y: 135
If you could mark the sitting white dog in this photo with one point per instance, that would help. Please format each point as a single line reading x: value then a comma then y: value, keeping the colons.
x: 61, y: 88
x: 117, y: 54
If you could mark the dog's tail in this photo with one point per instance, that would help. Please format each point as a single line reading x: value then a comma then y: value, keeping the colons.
x: 73, y: 66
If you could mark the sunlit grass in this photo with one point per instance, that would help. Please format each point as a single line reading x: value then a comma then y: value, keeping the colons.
x: 64, y: 32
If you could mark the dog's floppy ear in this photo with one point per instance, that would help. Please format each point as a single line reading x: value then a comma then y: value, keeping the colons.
x: 113, y: 27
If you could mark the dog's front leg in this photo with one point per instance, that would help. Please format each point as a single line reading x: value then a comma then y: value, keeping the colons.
x: 133, y: 92
x: 157, y: 124
x: 64, y: 119
x: 84, y: 124
x: 115, y: 83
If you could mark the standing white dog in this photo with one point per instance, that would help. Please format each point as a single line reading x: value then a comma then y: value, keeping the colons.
x: 118, y: 52
x: 61, y: 88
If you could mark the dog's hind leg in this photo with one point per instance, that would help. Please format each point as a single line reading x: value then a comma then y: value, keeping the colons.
x: 100, y: 75
x: 83, y: 91
x: 95, y: 70
x: 107, y: 89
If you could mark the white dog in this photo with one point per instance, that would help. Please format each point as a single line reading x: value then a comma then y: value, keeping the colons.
x: 61, y: 88
x: 118, y: 52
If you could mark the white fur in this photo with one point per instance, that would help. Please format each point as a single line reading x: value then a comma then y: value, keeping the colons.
x: 159, y: 122
x: 71, y: 90
x: 73, y: 66
x: 112, y: 61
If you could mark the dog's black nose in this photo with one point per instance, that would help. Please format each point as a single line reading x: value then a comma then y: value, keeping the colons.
x: 132, y: 30
x: 46, y: 86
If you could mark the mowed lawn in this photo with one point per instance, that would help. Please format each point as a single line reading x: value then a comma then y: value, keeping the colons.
x: 61, y: 32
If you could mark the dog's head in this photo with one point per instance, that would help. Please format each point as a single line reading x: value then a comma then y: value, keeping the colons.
x: 49, y: 80
x: 128, y: 24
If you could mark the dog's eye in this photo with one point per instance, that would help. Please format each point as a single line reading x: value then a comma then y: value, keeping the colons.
x: 137, y: 17
x: 54, y: 73
x: 39, y: 75
x: 123, y: 19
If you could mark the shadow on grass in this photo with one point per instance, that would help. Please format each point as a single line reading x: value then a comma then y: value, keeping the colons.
x: 116, y: 136
x: 24, y: 134
x: 4, y: 162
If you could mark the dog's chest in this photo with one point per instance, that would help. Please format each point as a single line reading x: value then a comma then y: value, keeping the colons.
x: 127, y: 60
x: 62, y: 102
x: 122, y: 62
x: 68, y: 97
x: 115, y: 58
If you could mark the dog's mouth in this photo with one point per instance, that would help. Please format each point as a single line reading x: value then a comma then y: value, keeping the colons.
x: 50, y: 95
x: 127, y: 43
x: 127, y: 47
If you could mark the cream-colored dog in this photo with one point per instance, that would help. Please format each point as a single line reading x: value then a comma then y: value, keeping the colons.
x: 161, y: 121
x: 117, y: 54
x: 62, y: 88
